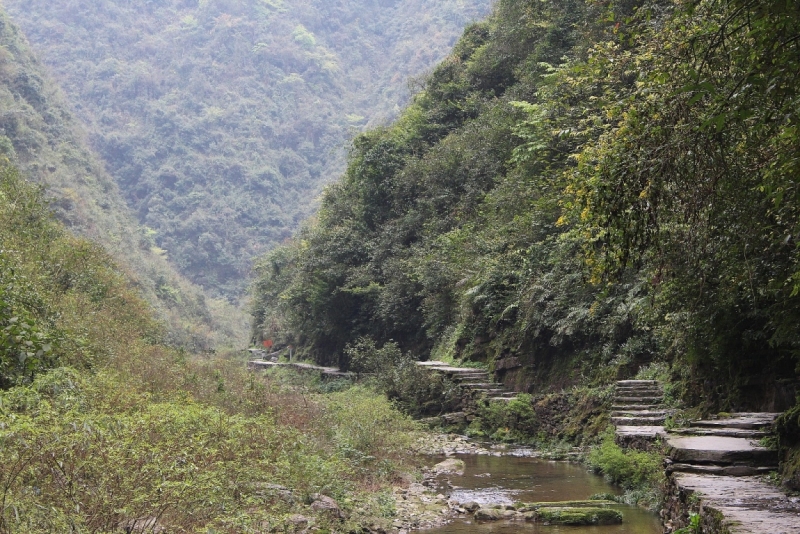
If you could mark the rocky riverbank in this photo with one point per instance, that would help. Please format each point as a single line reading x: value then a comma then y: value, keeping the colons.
x: 427, y: 504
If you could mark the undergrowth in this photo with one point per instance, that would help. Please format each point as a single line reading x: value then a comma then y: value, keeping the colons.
x: 193, y: 445
x: 639, y: 473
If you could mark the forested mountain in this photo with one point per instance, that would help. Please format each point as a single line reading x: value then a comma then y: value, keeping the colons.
x: 40, y: 136
x: 580, y: 189
x: 220, y: 119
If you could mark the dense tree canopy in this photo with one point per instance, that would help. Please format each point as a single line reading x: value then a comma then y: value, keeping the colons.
x: 41, y: 137
x: 220, y: 119
x: 579, y: 186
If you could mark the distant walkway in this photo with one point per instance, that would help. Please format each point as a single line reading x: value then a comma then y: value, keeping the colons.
x: 326, y: 372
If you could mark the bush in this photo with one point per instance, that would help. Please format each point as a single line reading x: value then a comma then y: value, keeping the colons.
x: 630, y: 469
x: 415, y: 389
x: 507, y: 421
x: 95, y: 452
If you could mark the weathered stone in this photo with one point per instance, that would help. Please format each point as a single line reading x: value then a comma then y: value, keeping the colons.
x: 450, y: 466
x: 511, y: 362
x: 636, y: 421
x: 299, y: 520
x: 753, y: 421
x: 721, y: 431
x: 639, y: 400
x: 579, y: 516
x: 471, y: 506
x: 588, y: 503
x: 488, y: 514
x: 740, y: 505
x: 720, y: 450
x: 722, y: 470
x: 323, y: 503
x: 142, y: 525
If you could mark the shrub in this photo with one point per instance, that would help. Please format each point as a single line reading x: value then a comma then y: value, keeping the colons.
x: 508, y: 421
x: 415, y: 389
x: 630, y: 469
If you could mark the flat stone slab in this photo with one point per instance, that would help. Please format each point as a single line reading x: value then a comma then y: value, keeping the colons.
x: 647, y: 432
x: 729, y: 432
x: 719, y: 450
x: 637, y: 382
x: 752, y: 421
x: 638, y: 421
x: 721, y: 470
x: 639, y: 400
x: 638, y: 413
x: 639, y: 395
x: 458, y: 370
x: 635, y: 406
x: 749, y: 505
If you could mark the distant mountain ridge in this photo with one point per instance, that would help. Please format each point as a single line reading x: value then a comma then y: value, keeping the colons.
x: 221, y: 120
x: 41, y: 137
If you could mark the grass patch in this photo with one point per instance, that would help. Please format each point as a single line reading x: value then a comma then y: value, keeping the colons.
x: 195, y: 445
x: 640, y: 473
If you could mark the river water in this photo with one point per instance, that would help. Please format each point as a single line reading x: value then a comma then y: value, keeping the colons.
x: 507, y: 479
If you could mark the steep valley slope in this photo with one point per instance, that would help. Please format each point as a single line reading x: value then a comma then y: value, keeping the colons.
x: 220, y: 120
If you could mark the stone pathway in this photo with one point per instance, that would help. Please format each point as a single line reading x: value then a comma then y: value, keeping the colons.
x: 723, y: 446
x: 638, y: 413
x: 718, y: 462
x: 739, y: 505
x: 475, y: 383
x: 325, y: 372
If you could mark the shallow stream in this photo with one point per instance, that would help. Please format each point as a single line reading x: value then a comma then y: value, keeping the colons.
x: 507, y: 479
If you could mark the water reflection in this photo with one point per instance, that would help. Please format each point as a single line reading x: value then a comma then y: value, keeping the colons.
x: 508, y: 479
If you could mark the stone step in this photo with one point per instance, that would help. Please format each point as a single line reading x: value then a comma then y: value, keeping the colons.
x: 638, y: 421
x: 459, y: 371
x: 638, y: 394
x: 645, y: 432
x: 637, y: 382
x: 483, y: 385
x: 636, y: 406
x: 476, y: 379
x: 719, y: 450
x: 721, y: 470
x: 748, y: 421
x: 500, y: 399
x: 744, y: 505
x: 725, y: 432
x: 461, y: 377
x: 646, y: 385
x: 432, y: 363
x: 639, y: 400
x: 638, y: 413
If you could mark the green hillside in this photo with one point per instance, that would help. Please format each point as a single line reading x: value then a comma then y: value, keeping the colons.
x: 580, y: 190
x: 221, y: 119
x: 40, y: 136
x: 104, y: 428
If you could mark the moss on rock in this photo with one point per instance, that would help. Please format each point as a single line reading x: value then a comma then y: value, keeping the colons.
x: 578, y: 516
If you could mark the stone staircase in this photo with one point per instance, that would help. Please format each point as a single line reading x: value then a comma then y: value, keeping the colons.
x: 716, y: 467
x: 726, y: 446
x: 476, y: 384
x: 638, y: 412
